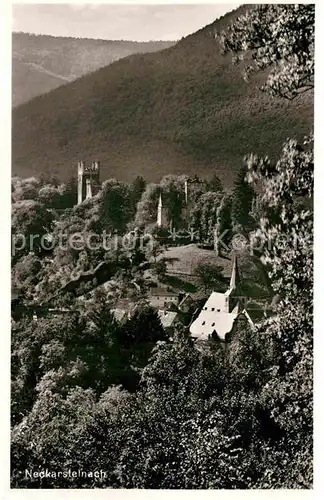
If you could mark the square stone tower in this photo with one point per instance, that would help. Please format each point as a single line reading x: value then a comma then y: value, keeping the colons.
x: 88, y: 180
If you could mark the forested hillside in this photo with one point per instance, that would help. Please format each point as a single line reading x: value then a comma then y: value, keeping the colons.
x: 185, y: 109
x: 101, y: 399
x: 41, y: 63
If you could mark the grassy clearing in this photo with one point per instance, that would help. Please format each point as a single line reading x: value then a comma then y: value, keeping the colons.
x: 187, y: 257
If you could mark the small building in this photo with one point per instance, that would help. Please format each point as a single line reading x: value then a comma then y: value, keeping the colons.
x: 216, y: 318
x: 168, y: 319
x: 162, y: 298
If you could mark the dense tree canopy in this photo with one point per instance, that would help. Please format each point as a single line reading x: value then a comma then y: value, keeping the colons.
x: 205, y: 213
x: 279, y: 37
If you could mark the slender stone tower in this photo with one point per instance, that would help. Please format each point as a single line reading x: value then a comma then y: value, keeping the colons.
x: 80, y: 180
x: 159, y: 213
x: 186, y: 191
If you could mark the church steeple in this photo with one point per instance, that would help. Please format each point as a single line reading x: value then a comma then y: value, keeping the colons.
x: 234, y: 282
x: 234, y: 275
x: 159, y: 212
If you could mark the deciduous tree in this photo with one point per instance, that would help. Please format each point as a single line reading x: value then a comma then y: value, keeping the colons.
x: 280, y: 38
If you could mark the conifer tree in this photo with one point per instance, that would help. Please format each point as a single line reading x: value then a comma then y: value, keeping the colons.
x: 137, y: 189
x: 242, y: 202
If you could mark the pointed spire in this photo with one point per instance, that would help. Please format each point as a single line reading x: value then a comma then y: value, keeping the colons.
x: 234, y: 275
x: 159, y: 212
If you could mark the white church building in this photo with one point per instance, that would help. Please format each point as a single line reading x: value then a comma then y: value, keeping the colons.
x: 216, y: 319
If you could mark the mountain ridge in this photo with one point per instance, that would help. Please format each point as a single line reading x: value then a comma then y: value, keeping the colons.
x: 185, y: 109
x: 85, y: 38
x: 40, y: 62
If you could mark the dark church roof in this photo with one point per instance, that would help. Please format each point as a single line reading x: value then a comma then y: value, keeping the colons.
x: 163, y: 292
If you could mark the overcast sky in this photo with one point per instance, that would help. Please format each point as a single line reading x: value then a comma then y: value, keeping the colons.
x: 116, y: 22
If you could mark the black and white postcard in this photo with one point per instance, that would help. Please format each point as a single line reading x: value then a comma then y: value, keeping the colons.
x: 162, y: 161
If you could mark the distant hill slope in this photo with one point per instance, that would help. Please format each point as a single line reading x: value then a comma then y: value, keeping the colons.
x: 42, y: 62
x: 185, y: 109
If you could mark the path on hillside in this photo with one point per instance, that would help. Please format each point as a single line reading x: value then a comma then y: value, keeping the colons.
x: 40, y: 68
x: 48, y: 72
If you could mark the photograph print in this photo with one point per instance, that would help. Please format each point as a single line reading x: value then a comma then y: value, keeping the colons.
x: 162, y: 246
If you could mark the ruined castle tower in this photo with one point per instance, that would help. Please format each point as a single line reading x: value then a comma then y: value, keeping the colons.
x: 88, y: 189
x: 88, y: 180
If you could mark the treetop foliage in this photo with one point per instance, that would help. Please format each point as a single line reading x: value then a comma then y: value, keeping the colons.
x: 278, y: 37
